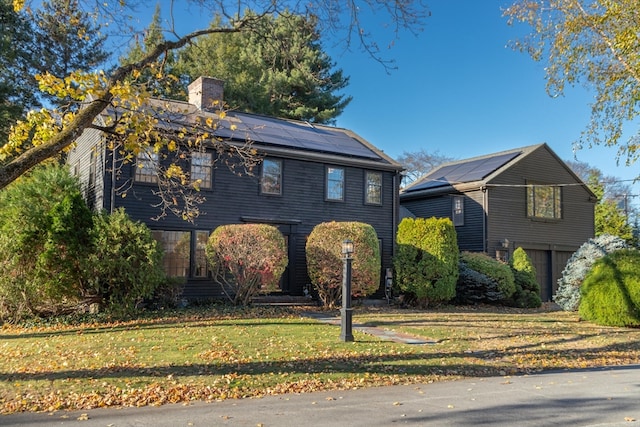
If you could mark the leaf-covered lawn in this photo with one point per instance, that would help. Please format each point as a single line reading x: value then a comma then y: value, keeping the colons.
x: 220, y: 354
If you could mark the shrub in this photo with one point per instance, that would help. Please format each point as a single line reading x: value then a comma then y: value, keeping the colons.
x: 474, y: 287
x: 125, y: 265
x: 325, y: 264
x: 568, y: 294
x: 426, y: 263
x: 527, y: 293
x: 496, y: 270
x: 611, y: 290
x: 246, y: 259
x: 44, y: 224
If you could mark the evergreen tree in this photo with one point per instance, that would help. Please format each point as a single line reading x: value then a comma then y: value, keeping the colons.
x: 278, y: 70
x: 66, y: 40
x: 15, y: 39
x: 159, y: 76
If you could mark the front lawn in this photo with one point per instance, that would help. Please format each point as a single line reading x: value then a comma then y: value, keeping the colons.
x: 217, y: 353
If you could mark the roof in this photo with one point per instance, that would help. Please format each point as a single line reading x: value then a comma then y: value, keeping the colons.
x: 475, y: 172
x: 274, y: 135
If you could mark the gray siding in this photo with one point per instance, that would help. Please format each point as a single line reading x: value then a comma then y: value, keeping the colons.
x: 504, y: 205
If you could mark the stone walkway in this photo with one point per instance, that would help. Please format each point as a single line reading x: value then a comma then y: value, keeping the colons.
x: 385, y: 334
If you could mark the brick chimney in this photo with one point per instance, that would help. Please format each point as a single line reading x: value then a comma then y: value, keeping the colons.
x: 204, y: 91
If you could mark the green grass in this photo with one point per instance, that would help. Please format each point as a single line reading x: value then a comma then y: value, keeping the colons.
x: 212, y: 354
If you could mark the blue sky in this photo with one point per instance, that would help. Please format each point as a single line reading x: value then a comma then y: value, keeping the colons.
x: 459, y: 90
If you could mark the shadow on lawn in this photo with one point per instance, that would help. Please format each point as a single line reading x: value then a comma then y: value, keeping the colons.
x: 478, y: 364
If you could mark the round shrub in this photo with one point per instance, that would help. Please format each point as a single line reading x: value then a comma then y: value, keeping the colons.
x: 247, y: 259
x: 611, y: 290
x: 492, y: 268
x: 426, y: 262
x: 325, y: 264
x: 568, y: 294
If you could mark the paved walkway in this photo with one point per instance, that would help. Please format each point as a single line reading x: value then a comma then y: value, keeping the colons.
x: 384, y: 334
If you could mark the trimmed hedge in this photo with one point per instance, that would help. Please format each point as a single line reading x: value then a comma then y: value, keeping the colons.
x: 611, y: 290
x: 426, y: 263
x: 325, y: 264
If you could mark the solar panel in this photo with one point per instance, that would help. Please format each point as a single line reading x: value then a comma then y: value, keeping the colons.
x: 298, y: 135
x: 466, y: 171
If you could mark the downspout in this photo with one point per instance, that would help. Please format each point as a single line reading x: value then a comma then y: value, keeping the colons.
x: 112, y: 202
x: 396, y: 210
x: 485, y: 208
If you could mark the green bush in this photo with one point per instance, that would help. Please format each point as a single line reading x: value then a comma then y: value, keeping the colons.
x: 125, y: 264
x: 527, y: 293
x: 568, y: 294
x: 426, y: 262
x: 44, y: 229
x: 611, y: 290
x: 474, y: 287
x: 246, y: 259
x: 492, y: 268
x: 325, y: 264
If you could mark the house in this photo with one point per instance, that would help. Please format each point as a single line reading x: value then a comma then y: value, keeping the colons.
x: 526, y: 197
x: 308, y: 174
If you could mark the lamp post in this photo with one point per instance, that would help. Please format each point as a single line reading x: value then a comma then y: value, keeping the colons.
x: 346, y: 333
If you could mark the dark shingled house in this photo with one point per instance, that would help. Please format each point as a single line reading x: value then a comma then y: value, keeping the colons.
x: 526, y: 197
x: 310, y: 174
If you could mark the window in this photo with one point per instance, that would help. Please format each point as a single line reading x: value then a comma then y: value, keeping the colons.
x: 271, y: 181
x: 201, y: 166
x: 177, y: 251
x: 544, y: 201
x: 201, y: 269
x: 373, y: 188
x: 335, y: 183
x: 146, y: 167
x: 457, y: 213
x: 92, y: 168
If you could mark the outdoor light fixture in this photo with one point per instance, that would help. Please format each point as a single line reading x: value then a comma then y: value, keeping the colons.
x: 346, y: 333
x: 347, y: 248
x: 505, y: 243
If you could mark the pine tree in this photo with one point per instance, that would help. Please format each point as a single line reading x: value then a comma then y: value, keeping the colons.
x: 66, y: 40
x: 277, y: 69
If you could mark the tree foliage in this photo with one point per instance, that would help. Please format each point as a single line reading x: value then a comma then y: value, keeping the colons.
x: 419, y: 163
x: 613, y: 210
x: 281, y: 70
x: 578, y: 266
x: 527, y: 293
x: 325, y: 259
x: 45, y: 134
x: 426, y: 262
x: 247, y: 259
x: 594, y: 43
x: 491, y: 267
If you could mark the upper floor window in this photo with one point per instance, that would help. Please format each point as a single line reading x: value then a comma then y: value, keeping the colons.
x: 271, y: 180
x: 544, y: 201
x: 457, y: 210
x: 147, y: 167
x: 335, y: 183
x: 373, y: 188
x: 201, y: 168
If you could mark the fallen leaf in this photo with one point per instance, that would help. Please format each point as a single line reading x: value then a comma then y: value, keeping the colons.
x: 629, y: 419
